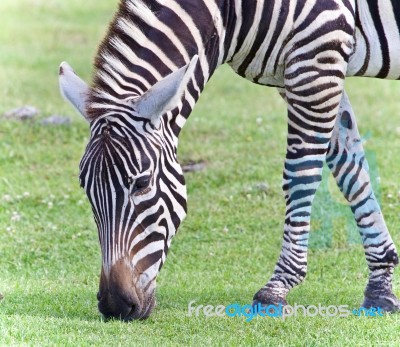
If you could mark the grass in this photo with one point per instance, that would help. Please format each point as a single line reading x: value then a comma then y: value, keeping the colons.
x: 226, y: 248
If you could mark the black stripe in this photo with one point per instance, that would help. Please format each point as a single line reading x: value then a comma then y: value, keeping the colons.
x: 283, y: 15
x: 374, y: 11
x: 248, y: 14
x: 396, y: 12
x: 263, y: 27
x: 364, y: 67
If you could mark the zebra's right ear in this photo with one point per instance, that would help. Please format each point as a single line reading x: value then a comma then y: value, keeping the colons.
x: 73, y: 89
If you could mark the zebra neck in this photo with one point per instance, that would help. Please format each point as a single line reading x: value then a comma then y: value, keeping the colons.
x: 147, y: 40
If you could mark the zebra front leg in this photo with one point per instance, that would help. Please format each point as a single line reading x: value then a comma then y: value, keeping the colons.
x: 309, y: 133
x: 346, y: 159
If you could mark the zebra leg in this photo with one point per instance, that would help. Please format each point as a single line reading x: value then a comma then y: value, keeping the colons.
x: 346, y: 159
x: 310, y: 123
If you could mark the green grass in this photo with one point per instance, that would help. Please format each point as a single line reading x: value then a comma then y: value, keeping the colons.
x: 226, y: 248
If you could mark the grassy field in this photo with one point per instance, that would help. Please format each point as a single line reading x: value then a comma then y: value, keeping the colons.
x: 226, y: 248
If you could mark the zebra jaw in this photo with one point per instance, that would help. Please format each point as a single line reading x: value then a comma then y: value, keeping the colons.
x: 161, y: 98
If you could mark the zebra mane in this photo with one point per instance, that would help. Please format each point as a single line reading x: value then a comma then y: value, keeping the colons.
x: 116, y: 76
x: 140, y: 8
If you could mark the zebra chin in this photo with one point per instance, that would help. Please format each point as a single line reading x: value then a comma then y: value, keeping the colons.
x: 121, y: 296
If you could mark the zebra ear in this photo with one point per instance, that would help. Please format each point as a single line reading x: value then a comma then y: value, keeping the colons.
x: 73, y: 88
x: 165, y: 94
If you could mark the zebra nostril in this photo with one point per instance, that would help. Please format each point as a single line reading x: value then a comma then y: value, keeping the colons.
x: 98, y: 295
x: 131, y: 313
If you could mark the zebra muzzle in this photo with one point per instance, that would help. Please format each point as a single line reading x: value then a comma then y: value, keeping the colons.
x: 120, y: 298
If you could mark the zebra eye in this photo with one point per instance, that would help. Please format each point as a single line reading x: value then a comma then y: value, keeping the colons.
x: 141, y: 185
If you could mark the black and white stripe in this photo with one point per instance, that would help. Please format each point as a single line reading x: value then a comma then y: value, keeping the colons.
x: 305, y: 48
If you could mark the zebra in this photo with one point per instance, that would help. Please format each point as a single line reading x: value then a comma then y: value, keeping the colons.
x: 150, y: 70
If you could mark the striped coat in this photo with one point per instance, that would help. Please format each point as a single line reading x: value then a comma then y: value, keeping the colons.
x: 150, y: 70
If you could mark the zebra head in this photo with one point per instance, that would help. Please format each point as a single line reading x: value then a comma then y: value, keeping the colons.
x: 135, y: 187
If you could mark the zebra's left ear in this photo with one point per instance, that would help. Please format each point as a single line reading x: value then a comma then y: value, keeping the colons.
x: 73, y: 88
x: 165, y: 94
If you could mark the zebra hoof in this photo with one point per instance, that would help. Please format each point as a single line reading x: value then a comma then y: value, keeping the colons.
x: 268, y: 296
x: 388, y: 302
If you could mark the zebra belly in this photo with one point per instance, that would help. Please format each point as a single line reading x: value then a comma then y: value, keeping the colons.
x: 272, y: 74
x: 377, y: 40
x: 259, y: 56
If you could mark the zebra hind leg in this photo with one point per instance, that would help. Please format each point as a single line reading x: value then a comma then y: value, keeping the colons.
x: 346, y: 159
